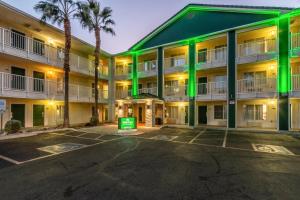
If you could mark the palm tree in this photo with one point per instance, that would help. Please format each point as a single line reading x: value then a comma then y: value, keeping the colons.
x: 58, y: 12
x: 95, y: 20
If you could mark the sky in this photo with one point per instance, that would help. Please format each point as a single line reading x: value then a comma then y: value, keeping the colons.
x: 136, y: 18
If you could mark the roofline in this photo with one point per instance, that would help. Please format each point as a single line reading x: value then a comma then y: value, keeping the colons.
x: 211, y: 7
x: 2, y: 3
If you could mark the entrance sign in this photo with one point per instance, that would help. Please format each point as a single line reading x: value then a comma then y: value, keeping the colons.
x: 2, y: 105
x: 127, y: 123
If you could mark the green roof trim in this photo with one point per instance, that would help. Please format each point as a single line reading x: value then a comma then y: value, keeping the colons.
x: 232, y: 16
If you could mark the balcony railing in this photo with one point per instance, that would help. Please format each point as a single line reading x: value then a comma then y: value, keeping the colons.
x: 176, y: 61
x: 178, y: 91
x: 17, y: 86
x: 212, y: 89
x: 295, y: 40
x: 148, y: 66
x: 19, y: 45
x: 123, y: 70
x: 296, y: 82
x: 152, y: 91
x: 264, y: 85
x: 257, y: 48
x: 214, y: 56
x: 121, y: 94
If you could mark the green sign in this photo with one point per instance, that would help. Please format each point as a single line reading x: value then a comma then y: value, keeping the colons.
x: 127, y: 123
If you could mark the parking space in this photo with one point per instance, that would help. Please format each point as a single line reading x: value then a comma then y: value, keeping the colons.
x: 239, y: 140
x: 21, y: 150
x: 18, y: 151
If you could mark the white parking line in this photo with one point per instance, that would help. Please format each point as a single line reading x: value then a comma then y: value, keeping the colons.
x: 225, y: 139
x: 74, y: 136
x: 10, y: 160
x: 190, y: 142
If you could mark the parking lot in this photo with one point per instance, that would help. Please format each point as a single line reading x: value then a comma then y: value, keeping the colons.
x: 177, y: 164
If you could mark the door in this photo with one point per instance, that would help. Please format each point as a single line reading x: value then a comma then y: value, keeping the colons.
x: 38, y: 115
x: 38, y: 81
x: 202, y: 114
x: 202, y: 85
x: 18, y: 78
x: 18, y: 113
x: 140, y: 114
x: 186, y: 116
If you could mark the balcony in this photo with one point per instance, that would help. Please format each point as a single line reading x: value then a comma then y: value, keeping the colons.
x: 211, y: 91
x: 122, y: 94
x: 295, y: 91
x: 257, y: 51
x: 212, y: 58
x: 175, y: 64
x: 147, y: 68
x: 19, y: 45
x: 295, y: 44
x: 123, y: 72
x: 16, y: 86
x: 257, y: 88
x: 152, y: 91
x: 176, y: 93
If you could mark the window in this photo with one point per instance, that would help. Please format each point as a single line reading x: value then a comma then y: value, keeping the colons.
x: 172, y: 112
x: 255, y: 112
x: 219, y: 52
x: 220, y: 84
x: 60, y: 85
x: 18, y: 39
x: 202, y: 55
x: 220, y: 112
x: 255, y: 79
x: 254, y: 46
x: 38, y: 47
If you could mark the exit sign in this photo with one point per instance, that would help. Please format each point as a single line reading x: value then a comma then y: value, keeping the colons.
x: 127, y: 123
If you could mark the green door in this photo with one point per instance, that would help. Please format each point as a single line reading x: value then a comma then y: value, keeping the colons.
x: 38, y: 115
x: 18, y: 81
x: 18, y: 112
x: 38, y: 81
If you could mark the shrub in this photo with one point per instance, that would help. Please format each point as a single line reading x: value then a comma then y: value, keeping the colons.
x: 12, y: 126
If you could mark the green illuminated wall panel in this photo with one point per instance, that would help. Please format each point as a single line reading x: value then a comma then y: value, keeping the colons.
x: 192, y: 83
x: 134, y: 75
x: 284, y: 77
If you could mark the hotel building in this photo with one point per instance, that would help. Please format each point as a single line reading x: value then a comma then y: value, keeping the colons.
x: 208, y: 65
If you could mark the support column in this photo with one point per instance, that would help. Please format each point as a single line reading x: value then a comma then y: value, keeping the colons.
x: 284, y: 82
x: 231, y: 76
x: 160, y: 73
x: 134, y: 76
x: 192, y: 83
x: 111, y: 90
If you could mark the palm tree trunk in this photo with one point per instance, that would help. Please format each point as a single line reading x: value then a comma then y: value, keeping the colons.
x: 97, y: 57
x: 67, y: 27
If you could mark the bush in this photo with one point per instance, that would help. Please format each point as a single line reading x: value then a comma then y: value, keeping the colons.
x: 94, y: 121
x: 12, y: 126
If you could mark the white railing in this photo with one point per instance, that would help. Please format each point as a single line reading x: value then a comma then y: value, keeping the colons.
x: 296, y: 82
x: 12, y: 85
x: 179, y: 91
x: 123, y: 70
x: 295, y: 40
x: 176, y: 61
x: 212, y: 88
x: 256, y: 85
x: 213, y: 56
x: 121, y: 94
x: 152, y: 91
x: 257, y: 48
x: 148, y: 66
x: 19, y: 45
